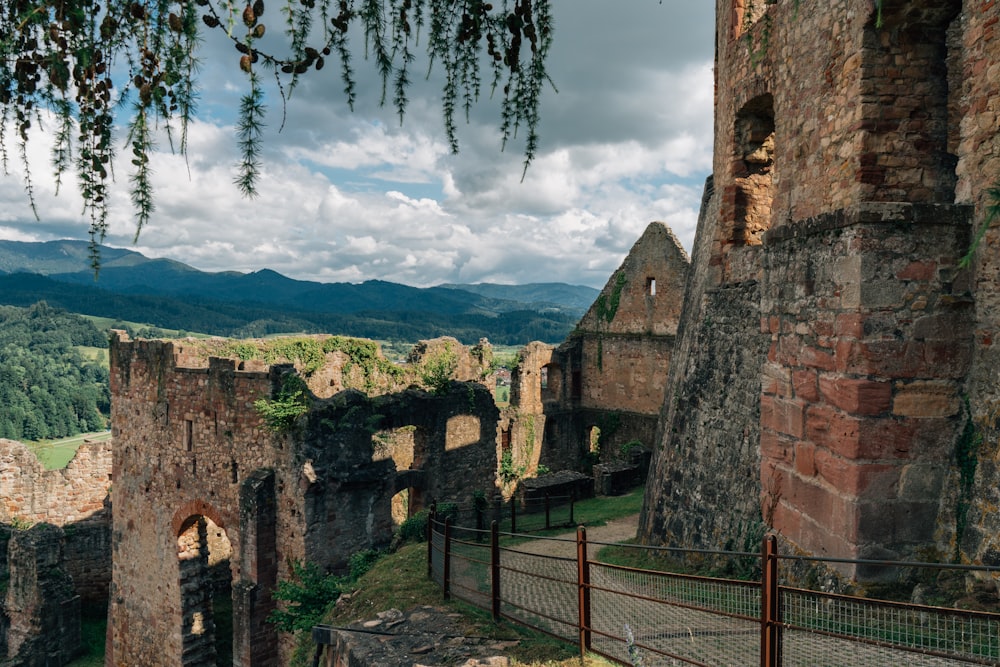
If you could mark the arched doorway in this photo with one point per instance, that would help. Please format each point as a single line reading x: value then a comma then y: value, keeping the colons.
x: 203, y: 554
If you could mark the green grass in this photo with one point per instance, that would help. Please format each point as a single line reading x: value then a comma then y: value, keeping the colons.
x: 94, y: 354
x: 399, y: 580
x: 55, y: 454
x: 93, y: 625
x: 105, y: 323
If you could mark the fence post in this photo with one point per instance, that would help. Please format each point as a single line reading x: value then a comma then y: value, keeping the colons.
x: 495, y: 569
x: 446, y: 583
x: 583, y: 587
x: 546, y: 511
x: 572, y: 501
x: 513, y: 514
x: 431, y: 518
x: 770, y: 627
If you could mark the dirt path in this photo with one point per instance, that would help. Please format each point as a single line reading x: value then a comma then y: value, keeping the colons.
x: 564, y: 544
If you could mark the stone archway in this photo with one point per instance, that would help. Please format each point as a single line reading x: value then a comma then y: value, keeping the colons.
x: 206, y: 603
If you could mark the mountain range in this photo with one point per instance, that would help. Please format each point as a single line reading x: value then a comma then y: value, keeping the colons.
x: 171, y: 294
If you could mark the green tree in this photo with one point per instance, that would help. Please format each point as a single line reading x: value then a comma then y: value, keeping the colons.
x: 86, y: 61
x: 47, y: 388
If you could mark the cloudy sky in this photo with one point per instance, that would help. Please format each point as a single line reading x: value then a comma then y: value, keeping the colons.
x: 347, y: 197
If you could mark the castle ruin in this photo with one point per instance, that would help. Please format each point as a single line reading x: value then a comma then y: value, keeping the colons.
x: 835, y: 375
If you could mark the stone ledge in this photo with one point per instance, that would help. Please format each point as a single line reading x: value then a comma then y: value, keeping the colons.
x: 872, y: 213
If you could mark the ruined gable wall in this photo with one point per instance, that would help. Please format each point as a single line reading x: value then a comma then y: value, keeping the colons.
x: 611, y: 371
x: 630, y: 303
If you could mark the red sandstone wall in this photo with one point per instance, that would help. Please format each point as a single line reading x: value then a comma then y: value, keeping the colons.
x: 849, y: 133
x: 186, y: 439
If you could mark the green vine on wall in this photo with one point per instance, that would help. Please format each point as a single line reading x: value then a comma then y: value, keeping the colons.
x: 608, y: 306
x: 966, y: 460
x: 530, y: 426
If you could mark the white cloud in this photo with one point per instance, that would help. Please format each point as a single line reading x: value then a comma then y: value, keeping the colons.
x: 352, y: 197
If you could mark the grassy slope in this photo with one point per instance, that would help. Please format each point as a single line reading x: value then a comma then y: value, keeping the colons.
x: 400, y: 580
x: 55, y: 454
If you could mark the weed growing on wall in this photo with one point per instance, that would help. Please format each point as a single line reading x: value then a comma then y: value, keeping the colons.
x: 437, y: 370
x: 291, y: 400
x: 508, y: 472
x: 992, y: 214
x: 306, y: 596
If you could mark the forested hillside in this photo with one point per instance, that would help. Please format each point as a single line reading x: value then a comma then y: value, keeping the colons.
x: 47, y: 388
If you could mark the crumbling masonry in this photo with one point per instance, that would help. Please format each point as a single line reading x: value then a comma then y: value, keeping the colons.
x: 212, y: 506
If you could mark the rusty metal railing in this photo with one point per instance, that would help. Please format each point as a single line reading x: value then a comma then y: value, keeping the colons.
x: 557, y: 586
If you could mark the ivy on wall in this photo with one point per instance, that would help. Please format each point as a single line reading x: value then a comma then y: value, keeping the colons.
x: 607, y: 306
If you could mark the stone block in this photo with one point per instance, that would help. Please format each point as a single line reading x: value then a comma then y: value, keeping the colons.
x: 926, y: 399
x: 822, y: 504
x: 857, y: 479
x: 776, y: 446
x: 922, y: 270
x: 921, y: 481
x: 856, y: 395
x: 804, y: 383
x: 782, y: 415
x: 805, y: 459
x: 776, y: 380
x: 898, y: 523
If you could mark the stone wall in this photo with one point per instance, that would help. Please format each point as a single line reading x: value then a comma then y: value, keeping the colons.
x: 74, y: 498
x: 978, y: 171
x: 851, y: 161
x: 869, y: 324
x: 707, y: 455
x: 195, y: 467
x: 609, y: 376
x: 40, y: 612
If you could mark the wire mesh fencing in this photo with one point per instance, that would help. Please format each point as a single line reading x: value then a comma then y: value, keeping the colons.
x: 674, y: 618
x: 514, y: 515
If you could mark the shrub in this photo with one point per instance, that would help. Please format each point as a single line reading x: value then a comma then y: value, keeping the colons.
x: 307, y: 595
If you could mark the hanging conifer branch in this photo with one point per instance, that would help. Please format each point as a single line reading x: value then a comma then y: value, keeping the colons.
x: 85, y: 62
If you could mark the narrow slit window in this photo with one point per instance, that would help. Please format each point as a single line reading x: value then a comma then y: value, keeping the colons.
x: 188, y: 435
x: 651, y: 286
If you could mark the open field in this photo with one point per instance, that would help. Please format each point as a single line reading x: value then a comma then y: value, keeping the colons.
x: 54, y: 454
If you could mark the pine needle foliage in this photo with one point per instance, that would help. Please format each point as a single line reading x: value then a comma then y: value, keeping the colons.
x: 88, y: 62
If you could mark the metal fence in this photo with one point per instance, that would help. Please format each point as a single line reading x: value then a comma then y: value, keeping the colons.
x: 513, y: 515
x: 668, y: 618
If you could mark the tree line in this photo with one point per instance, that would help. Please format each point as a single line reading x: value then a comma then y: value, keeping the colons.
x: 48, y: 388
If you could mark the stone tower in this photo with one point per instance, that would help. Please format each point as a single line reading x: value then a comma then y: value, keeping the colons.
x: 834, y: 371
